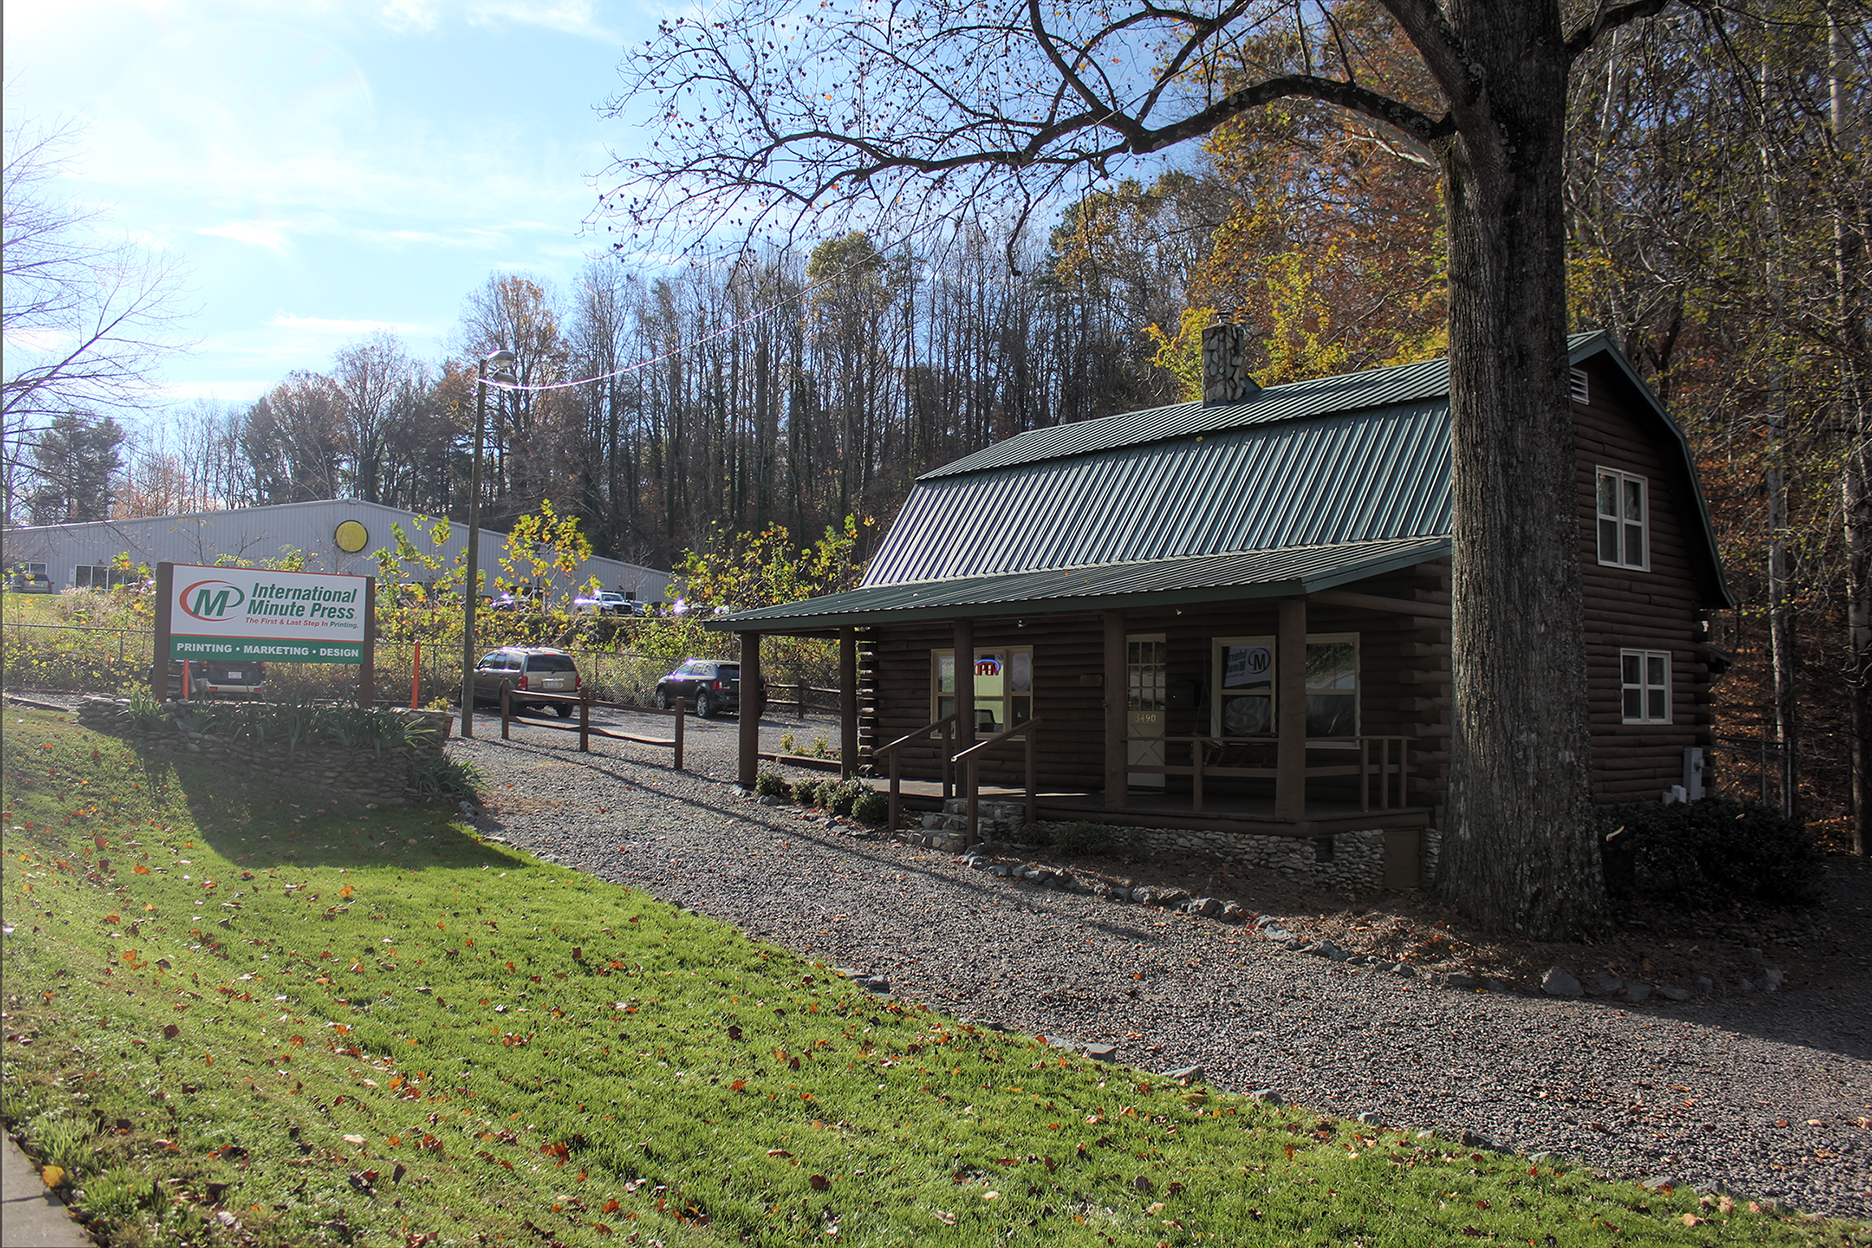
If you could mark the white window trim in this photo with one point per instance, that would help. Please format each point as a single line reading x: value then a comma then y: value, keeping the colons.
x: 1621, y: 478
x: 1644, y: 687
x: 1216, y: 645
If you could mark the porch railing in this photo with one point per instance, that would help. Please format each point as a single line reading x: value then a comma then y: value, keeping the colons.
x: 1384, y: 769
x: 970, y: 761
x: 895, y: 751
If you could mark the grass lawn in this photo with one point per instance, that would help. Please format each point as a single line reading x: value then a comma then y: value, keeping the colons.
x: 240, y: 1014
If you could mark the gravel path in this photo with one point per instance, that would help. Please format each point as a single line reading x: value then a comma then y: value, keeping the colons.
x: 1767, y: 1096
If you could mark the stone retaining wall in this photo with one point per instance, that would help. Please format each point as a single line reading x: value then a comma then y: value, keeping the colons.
x: 1356, y: 861
x: 361, y: 774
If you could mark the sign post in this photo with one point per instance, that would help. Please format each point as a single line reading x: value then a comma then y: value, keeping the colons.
x: 256, y: 613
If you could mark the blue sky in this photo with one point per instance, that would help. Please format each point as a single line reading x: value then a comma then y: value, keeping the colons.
x: 324, y: 168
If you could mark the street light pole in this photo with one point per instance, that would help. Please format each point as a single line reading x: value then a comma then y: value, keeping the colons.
x: 471, y: 591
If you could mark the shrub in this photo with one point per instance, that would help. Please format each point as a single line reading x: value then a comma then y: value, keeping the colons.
x: 807, y: 792
x: 1714, y: 853
x: 1033, y: 834
x: 842, y: 797
x: 872, y: 807
x: 438, y: 775
x: 772, y: 784
x: 1084, y: 839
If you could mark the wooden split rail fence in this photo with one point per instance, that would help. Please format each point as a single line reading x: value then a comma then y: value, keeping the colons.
x: 584, y: 727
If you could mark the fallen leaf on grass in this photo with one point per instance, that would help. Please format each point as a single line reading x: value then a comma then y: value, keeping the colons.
x: 52, y: 1176
x: 820, y: 1183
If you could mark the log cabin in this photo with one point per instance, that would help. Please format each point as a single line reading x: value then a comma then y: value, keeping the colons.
x: 1232, y: 617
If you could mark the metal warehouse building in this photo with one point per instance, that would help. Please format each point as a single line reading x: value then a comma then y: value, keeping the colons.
x: 336, y: 535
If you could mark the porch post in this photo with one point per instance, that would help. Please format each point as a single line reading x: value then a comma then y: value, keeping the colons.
x: 750, y: 721
x: 1117, y: 754
x: 1290, y: 665
x: 848, y: 702
x: 965, y: 684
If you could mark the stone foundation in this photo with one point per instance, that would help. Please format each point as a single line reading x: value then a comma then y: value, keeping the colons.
x: 361, y: 774
x: 1355, y: 861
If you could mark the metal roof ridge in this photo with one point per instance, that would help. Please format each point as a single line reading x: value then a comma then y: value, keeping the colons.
x: 1170, y: 418
x: 1070, y: 569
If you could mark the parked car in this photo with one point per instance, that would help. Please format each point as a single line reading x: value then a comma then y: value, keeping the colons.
x: 29, y: 582
x: 710, y: 685
x: 524, y: 670
x: 218, y: 677
x: 606, y: 602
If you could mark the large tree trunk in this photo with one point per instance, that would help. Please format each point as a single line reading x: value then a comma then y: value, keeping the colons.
x: 1849, y: 244
x: 1520, y: 852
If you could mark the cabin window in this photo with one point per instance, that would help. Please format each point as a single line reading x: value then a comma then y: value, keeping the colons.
x: 1003, y: 686
x: 1244, y: 692
x: 1624, y: 520
x: 1644, y: 686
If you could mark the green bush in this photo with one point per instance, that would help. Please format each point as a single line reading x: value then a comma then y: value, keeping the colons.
x: 844, y: 796
x: 1033, y: 834
x: 772, y: 784
x: 872, y: 807
x: 812, y: 792
x: 438, y: 775
x: 1082, y: 839
x: 1714, y: 853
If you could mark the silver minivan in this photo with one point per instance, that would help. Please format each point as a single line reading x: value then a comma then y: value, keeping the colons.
x: 524, y: 670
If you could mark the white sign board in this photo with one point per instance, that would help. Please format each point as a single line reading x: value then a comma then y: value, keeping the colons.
x: 254, y: 613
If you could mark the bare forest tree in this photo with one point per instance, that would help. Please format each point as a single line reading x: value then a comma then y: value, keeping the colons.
x: 86, y: 320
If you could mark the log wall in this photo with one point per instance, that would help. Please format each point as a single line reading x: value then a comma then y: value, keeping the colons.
x: 1658, y: 609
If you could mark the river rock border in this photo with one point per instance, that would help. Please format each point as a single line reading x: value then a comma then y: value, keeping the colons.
x: 360, y: 773
x: 1345, y: 861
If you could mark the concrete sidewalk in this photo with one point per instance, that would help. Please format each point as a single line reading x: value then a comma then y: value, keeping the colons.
x: 31, y: 1216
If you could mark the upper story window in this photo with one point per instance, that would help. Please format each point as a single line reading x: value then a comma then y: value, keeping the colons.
x: 1624, y: 520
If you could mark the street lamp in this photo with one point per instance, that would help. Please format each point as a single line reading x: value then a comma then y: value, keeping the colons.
x: 502, y: 361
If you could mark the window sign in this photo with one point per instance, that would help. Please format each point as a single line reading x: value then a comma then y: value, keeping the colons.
x: 1003, y: 686
x: 1244, y: 701
x: 1244, y: 691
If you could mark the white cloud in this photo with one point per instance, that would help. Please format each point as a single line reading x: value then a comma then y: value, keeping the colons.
x: 570, y: 17
x: 223, y: 390
x: 342, y: 327
x: 267, y: 235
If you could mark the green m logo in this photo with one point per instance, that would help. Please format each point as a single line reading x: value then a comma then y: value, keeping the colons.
x: 212, y: 600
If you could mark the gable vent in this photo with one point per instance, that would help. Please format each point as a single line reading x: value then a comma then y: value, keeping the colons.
x: 1582, y: 391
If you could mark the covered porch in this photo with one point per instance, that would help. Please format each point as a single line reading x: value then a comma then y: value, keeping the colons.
x: 1096, y: 731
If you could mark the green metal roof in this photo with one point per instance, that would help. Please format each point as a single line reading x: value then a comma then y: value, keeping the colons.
x: 1302, y: 487
x: 1202, y: 578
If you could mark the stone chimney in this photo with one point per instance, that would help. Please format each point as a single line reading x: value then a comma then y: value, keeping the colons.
x: 1225, y: 376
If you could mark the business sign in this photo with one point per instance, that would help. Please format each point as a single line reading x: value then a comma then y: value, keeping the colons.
x: 253, y: 613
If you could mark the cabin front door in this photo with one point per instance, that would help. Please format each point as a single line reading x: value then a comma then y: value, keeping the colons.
x: 1146, y: 660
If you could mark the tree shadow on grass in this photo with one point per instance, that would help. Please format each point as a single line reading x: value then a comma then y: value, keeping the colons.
x: 259, y: 822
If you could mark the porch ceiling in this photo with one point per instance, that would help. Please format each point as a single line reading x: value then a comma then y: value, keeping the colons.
x: 1280, y: 573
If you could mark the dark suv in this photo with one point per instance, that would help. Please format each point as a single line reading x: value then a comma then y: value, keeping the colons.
x: 524, y: 670
x: 711, y: 685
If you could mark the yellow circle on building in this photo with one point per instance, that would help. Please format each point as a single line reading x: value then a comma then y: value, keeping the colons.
x: 352, y: 537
